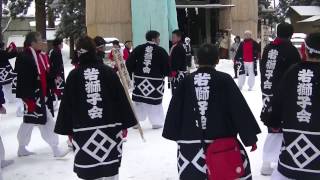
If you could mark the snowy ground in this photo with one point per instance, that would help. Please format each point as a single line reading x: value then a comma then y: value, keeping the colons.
x: 154, y: 159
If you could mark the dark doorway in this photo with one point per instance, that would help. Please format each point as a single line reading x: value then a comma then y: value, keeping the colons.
x: 193, y: 23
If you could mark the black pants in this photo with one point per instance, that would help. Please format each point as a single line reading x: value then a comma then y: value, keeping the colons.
x: 235, y: 67
x: 189, y: 61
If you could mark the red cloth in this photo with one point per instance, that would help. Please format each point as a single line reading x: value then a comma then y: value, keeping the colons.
x: 224, y: 160
x: 173, y: 74
x: 31, y: 105
x: 57, y: 92
x: 76, y: 65
x: 303, y: 52
x: 13, y: 47
x: 248, y: 51
x: 277, y: 41
x: 125, y: 133
x: 126, y: 53
x: 43, y: 67
x: 111, y: 56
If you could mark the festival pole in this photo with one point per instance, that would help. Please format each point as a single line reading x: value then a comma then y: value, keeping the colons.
x: 126, y: 82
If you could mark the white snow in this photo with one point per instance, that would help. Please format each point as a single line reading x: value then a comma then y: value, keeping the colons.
x: 154, y: 159
x: 17, y: 39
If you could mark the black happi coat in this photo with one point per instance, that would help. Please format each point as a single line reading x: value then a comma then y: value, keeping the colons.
x: 148, y: 87
x: 94, y: 160
x: 57, y: 69
x: 178, y: 62
x: 28, y: 86
x: 272, y: 72
x: 6, y: 72
x: 101, y: 56
x: 300, y: 155
x: 224, y: 119
x: 2, y: 99
x: 256, y: 53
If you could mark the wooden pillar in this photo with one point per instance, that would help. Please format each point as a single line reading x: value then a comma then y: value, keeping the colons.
x: 109, y: 18
x: 245, y: 17
x: 208, y: 25
x: 225, y: 19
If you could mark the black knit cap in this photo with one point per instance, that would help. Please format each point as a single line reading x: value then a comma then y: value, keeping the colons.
x: 99, y: 41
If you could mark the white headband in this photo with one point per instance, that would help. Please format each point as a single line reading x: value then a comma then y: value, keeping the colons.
x: 311, y: 50
x: 103, y: 45
x: 82, y: 51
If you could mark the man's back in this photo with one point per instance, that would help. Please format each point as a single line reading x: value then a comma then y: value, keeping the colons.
x: 148, y: 60
x: 277, y: 58
x: 296, y: 110
x: 150, y: 64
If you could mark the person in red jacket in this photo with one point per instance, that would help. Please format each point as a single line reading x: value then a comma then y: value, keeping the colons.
x: 127, y: 50
x: 247, y: 56
x: 33, y: 87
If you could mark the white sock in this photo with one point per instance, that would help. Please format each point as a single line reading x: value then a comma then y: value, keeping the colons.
x: 24, y: 152
x: 59, y: 153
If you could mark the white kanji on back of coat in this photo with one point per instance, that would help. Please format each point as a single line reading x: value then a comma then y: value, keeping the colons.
x: 93, y: 89
x: 304, y: 91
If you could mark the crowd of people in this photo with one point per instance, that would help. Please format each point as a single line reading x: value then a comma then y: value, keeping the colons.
x: 206, y: 115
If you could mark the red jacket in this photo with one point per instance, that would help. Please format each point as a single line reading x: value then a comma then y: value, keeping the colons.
x: 248, y: 51
x: 126, y: 54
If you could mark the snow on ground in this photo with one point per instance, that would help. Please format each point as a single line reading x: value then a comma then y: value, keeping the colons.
x: 154, y: 159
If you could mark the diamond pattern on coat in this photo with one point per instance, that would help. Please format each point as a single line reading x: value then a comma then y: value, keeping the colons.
x: 146, y: 87
x: 160, y: 89
x: 99, y: 146
x: 3, y: 74
x: 76, y: 146
x: 182, y: 163
x: 59, y: 82
x: 122, y: 140
x: 14, y: 82
x: 199, y: 161
x: 303, y: 151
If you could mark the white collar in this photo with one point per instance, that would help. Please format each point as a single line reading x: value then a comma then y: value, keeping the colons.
x: 151, y: 42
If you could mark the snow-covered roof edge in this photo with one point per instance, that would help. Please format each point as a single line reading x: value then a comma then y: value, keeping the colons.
x: 306, y: 10
x: 311, y: 19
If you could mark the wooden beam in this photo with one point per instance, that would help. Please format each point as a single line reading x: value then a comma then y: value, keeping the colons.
x: 185, y: 2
